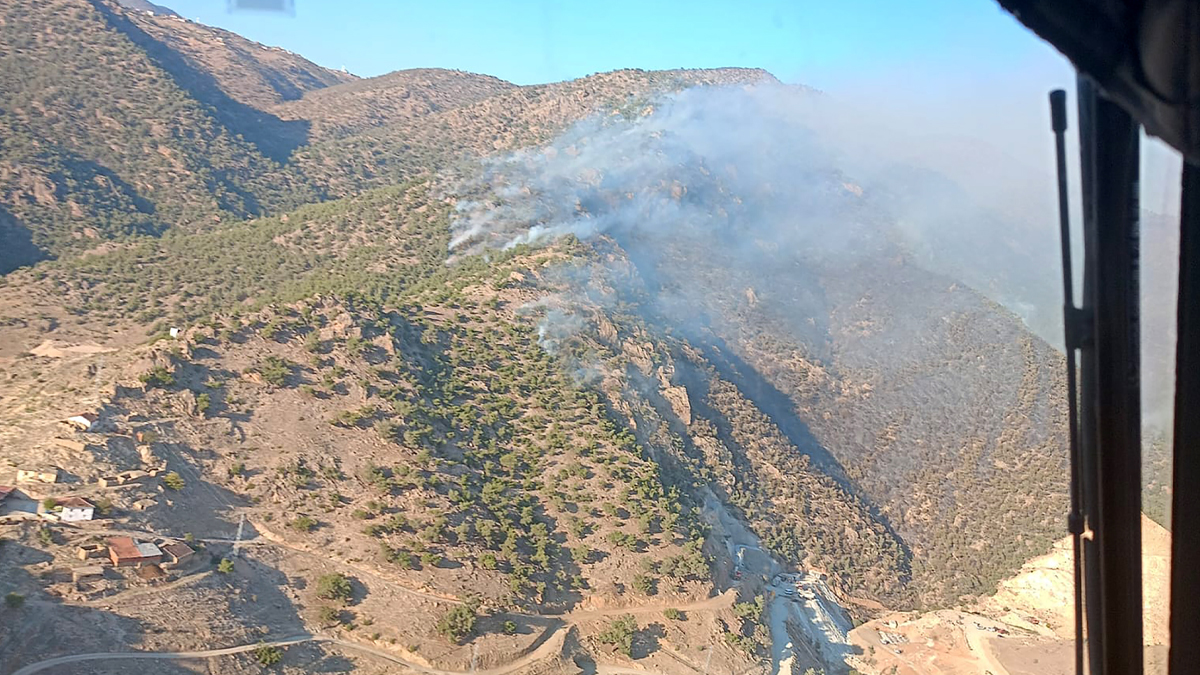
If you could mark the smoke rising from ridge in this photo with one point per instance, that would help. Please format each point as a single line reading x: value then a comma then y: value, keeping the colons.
x: 758, y: 177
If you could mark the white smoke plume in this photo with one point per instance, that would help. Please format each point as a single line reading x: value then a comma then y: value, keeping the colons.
x: 744, y: 172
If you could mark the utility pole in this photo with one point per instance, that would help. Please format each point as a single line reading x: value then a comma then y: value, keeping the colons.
x: 474, y: 655
x: 708, y: 660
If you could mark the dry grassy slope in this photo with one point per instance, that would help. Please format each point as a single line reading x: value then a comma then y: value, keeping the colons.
x: 376, y: 243
x: 248, y: 72
x: 469, y: 423
x: 364, y: 407
x: 353, y: 107
x: 142, y: 123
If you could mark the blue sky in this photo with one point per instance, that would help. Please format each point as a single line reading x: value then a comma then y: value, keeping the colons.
x: 822, y: 44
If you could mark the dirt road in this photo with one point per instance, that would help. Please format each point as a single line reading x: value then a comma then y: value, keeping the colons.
x: 550, y: 646
x: 547, y: 648
x: 978, y: 643
x: 98, y: 656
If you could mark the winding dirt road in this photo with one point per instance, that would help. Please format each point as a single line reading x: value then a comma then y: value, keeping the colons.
x: 97, y: 656
x: 553, y: 642
x: 551, y: 645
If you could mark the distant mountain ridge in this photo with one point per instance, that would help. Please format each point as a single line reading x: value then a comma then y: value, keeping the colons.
x: 248, y: 72
x: 145, y: 122
x: 147, y: 6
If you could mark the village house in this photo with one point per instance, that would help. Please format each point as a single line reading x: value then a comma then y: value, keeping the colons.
x: 85, y: 551
x: 75, y: 509
x: 123, y: 478
x: 47, y: 474
x: 177, y: 554
x: 83, y: 422
x: 86, y: 573
x: 124, y: 551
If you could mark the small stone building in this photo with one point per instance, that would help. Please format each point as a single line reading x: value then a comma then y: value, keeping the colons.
x: 38, y: 474
x: 124, y: 552
x: 86, y: 573
x: 177, y: 554
x: 85, y: 551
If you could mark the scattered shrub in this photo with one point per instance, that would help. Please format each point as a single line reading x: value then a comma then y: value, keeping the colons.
x: 620, y: 634
x: 457, y: 624
x: 159, y: 376
x: 174, y: 481
x: 203, y: 403
x: 335, y: 586
x: 303, y: 523
x: 268, y: 655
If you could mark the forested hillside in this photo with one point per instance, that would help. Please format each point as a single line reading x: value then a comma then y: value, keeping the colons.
x: 99, y: 141
x: 513, y: 355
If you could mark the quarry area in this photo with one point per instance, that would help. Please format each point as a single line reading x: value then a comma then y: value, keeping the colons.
x: 1026, y: 628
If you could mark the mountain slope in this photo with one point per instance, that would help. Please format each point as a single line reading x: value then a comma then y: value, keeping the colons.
x: 247, y: 72
x: 888, y: 388
x: 931, y: 406
x: 354, y: 107
x: 511, y: 119
x: 430, y: 449
x: 100, y: 142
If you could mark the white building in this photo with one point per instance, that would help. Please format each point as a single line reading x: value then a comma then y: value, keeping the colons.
x: 75, y: 509
x: 83, y: 422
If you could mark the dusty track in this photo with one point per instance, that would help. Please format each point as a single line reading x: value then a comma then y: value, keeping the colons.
x: 714, y: 603
x: 551, y: 645
x: 978, y: 643
x: 97, y: 656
